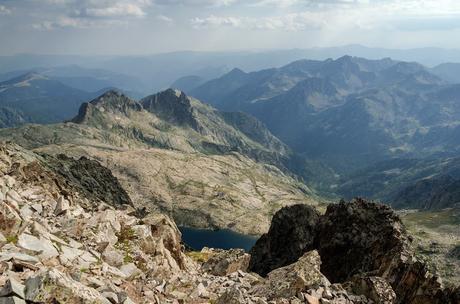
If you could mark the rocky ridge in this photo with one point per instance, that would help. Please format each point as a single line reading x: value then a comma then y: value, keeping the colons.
x: 360, y: 243
x: 176, y: 155
x: 58, y: 245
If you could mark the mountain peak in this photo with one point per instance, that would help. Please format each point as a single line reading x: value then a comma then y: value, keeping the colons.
x: 171, y: 105
x: 236, y: 72
x: 345, y: 58
x: 25, y: 79
x: 111, y: 101
x: 172, y: 92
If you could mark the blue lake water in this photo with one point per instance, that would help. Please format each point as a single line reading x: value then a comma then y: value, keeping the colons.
x: 223, y: 239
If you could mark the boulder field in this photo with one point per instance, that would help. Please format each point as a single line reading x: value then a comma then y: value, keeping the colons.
x: 70, y: 234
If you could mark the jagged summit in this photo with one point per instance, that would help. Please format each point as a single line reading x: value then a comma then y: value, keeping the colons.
x: 172, y: 106
x: 171, y: 119
x: 112, y: 101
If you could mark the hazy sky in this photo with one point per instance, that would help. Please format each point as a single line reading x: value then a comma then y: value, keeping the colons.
x: 152, y: 26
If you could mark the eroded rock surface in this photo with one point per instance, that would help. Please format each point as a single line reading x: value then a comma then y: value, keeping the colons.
x: 362, y: 245
x: 292, y: 232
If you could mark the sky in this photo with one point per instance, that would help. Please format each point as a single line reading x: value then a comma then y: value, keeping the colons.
x: 126, y: 27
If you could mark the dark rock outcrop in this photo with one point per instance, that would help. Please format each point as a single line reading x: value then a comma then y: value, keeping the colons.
x: 360, y: 237
x: 292, y: 233
x: 363, y: 245
x: 112, y: 101
x: 90, y: 178
x: 172, y: 106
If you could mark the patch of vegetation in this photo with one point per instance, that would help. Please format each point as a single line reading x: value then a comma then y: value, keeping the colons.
x: 432, y: 219
x: 12, y: 239
x: 198, y: 256
x: 126, y: 234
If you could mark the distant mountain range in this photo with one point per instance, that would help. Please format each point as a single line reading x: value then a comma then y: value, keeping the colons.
x: 334, y: 124
x: 353, y: 114
x: 159, y: 71
x: 35, y: 98
x: 348, y: 112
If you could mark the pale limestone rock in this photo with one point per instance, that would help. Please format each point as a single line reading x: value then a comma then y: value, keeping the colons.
x: 311, y: 299
x: 130, y: 270
x: 106, y: 234
x: 26, y: 212
x: 224, y: 262
x: 70, y: 256
x: 12, y: 288
x: 8, y: 256
x: 288, y: 281
x: 10, y: 220
x: 51, y: 285
x: 111, y: 296
x: 2, y: 240
x: 9, y: 181
x: 128, y: 301
x: 231, y: 296
x: 38, y: 208
x: 201, y: 291
x: 62, y: 206
x: 106, y: 268
x: 113, y: 256
x: 142, y: 231
x: 14, y: 198
x: 43, y: 247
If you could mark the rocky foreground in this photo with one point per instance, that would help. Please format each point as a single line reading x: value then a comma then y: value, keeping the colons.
x: 69, y: 234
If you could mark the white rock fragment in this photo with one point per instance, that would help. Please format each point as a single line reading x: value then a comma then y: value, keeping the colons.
x: 9, y: 181
x: 43, y: 247
x: 131, y: 271
x: 62, y: 206
x: 38, y: 208
x: 26, y: 212
x: 13, y: 198
x: 113, y: 256
x: 12, y: 288
x: 8, y: 256
x: 3, y: 240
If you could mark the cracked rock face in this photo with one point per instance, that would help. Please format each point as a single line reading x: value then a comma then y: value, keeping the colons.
x: 292, y: 233
x: 362, y: 245
x: 360, y: 237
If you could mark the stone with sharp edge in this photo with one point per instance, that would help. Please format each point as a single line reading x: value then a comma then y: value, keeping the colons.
x: 12, y: 288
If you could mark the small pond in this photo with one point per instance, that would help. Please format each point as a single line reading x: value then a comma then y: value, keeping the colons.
x: 223, y: 239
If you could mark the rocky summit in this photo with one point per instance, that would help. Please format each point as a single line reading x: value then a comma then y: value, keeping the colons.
x: 70, y: 234
x: 363, y: 246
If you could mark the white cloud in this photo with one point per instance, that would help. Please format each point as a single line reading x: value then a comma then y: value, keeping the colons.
x: 114, y: 11
x: 198, y: 3
x: 165, y: 19
x: 288, y: 22
x: 4, y: 10
x: 78, y: 23
x: 213, y: 21
x: 93, y: 13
